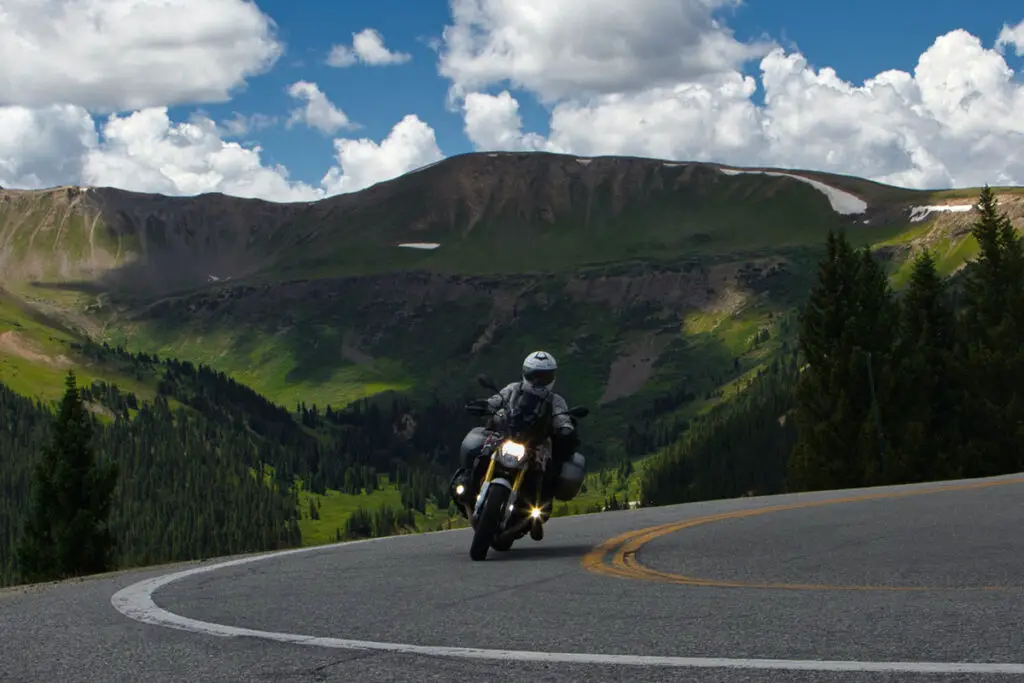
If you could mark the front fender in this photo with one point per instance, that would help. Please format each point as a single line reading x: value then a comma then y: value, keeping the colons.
x: 497, y: 481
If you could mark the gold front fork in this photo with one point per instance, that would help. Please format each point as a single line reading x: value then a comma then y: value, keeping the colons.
x: 490, y: 471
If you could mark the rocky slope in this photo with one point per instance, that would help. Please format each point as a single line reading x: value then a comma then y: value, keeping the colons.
x: 510, y: 210
x: 658, y: 284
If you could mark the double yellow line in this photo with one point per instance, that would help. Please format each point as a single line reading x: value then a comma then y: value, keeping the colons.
x: 617, y: 556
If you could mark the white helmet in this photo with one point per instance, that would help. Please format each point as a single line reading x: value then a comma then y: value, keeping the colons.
x: 539, y: 372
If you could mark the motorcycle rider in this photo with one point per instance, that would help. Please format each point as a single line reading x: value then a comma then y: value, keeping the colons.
x: 532, y: 393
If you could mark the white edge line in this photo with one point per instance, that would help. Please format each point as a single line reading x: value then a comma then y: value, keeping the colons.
x: 136, y: 602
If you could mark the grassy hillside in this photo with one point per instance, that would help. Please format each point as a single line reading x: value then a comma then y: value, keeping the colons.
x: 650, y: 280
x: 312, y: 454
x: 663, y: 288
x: 36, y: 351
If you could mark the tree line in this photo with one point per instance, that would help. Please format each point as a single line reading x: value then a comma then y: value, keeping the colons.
x: 882, y: 389
x: 924, y: 387
x: 206, y: 467
x: 739, y: 448
x: 79, y: 496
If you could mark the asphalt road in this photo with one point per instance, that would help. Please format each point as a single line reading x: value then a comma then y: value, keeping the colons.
x: 934, y: 577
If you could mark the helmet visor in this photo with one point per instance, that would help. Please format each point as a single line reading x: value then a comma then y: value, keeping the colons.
x: 539, y: 378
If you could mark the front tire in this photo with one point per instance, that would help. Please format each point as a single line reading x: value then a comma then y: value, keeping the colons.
x: 487, y: 525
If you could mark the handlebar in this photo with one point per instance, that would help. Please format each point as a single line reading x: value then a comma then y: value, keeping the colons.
x: 482, y: 407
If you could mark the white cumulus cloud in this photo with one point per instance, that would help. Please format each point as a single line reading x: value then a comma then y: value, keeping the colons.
x: 361, y: 163
x: 574, y: 47
x: 146, y: 151
x: 1012, y: 35
x: 242, y: 124
x: 319, y: 112
x: 115, y: 55
x: 43, y: 147
x: 955, y: 120
x: 493, y: 122
x: 658, y: 78
x: 65, y: 61
x: 368, y: 48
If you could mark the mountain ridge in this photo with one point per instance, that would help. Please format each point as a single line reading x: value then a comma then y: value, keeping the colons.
x: 473, y: 207
x: 848, y: 180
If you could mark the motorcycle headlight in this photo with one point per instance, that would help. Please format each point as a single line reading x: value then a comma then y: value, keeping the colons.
x: 512, y: 453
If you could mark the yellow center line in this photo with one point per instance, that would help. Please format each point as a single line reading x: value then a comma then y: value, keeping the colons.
x: 616, y: 557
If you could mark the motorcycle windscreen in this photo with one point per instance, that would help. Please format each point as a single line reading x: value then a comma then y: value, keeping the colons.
x: 530, y: 419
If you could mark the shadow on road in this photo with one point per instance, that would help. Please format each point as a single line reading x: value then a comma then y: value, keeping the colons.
x: 539, y: 551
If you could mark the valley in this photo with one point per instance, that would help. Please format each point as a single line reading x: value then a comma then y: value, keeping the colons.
x: 662, y: 288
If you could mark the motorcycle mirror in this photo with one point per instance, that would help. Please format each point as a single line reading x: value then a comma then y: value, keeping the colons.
x: 486, y: 382
x: 579, y: 412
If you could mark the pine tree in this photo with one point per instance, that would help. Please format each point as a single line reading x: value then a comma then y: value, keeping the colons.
x: 871, y: 383
x: 992, y: 327
x: 846, y: 338
x: 927, y: 441
x: 66, y: 532
x: 822, y: 456
x: 993, y: 285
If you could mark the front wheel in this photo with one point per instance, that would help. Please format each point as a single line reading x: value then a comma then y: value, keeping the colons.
x: 487, y: 524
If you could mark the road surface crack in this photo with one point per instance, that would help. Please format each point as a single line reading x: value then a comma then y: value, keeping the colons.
x: 319, y: 673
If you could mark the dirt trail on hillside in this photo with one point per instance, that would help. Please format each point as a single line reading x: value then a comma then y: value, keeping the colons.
x: 630, y: 371
x: 14, y: 344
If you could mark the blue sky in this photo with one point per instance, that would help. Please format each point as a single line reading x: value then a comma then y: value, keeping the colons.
x: 652, y: 78
x: 857, y: 39
x: 860, y: 39
x: 374, y: 97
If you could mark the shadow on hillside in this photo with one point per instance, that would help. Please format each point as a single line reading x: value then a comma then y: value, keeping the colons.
x: 373, y: 330
x: 298, y: 329
x: 134, y: 282
x: 295, y: 339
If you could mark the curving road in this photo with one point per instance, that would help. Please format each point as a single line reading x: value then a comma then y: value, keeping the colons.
x: 913, y: 583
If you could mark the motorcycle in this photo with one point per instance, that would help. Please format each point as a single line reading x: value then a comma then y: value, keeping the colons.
x: 511, y: 501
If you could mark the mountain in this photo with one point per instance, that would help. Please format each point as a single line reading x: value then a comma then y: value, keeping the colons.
x: 656, y: 283
x: 509, y: 213
x: 662, y: 288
